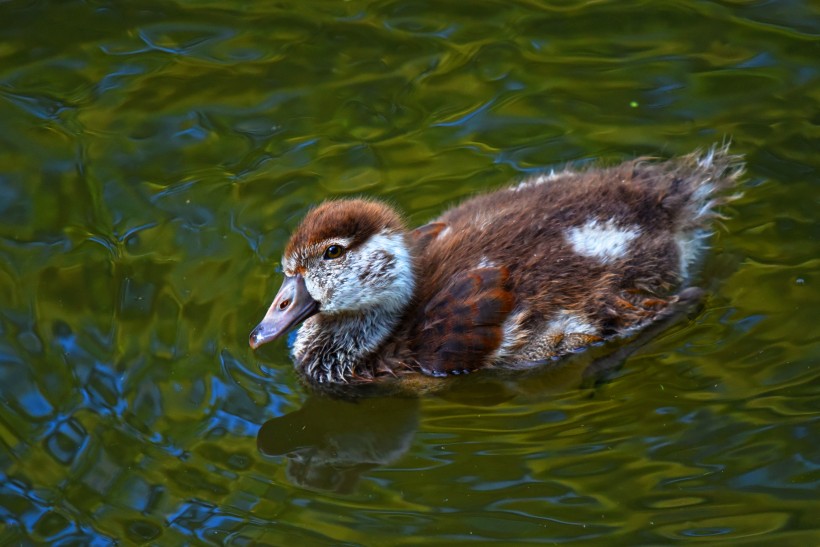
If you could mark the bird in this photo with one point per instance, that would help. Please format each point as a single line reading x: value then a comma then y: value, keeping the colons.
x: 511, y: 279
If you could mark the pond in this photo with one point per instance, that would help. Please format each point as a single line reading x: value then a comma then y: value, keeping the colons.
x: 155, y: 156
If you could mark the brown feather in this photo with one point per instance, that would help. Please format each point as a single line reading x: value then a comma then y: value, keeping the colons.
x: 461, y: 325
x: 358, y: 219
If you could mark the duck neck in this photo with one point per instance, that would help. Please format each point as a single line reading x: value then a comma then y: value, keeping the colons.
x: 338, y: 348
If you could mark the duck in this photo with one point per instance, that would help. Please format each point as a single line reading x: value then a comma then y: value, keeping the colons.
x: 511, y: 279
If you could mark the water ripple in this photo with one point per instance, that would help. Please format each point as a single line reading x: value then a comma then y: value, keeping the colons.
x: 154, y: 158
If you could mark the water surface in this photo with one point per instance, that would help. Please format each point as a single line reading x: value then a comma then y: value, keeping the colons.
x: 155, y: 155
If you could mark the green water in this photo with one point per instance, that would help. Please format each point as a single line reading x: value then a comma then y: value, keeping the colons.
x: 154, y: 157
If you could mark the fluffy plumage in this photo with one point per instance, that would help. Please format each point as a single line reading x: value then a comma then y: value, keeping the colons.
x: 511, y: 278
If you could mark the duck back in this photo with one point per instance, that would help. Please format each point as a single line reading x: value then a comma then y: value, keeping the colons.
x: 562, y: 260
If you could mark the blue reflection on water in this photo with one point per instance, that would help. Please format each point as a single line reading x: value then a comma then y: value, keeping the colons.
x: 34, y: 404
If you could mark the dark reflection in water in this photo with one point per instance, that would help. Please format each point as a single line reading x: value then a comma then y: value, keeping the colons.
x: 329, y: 442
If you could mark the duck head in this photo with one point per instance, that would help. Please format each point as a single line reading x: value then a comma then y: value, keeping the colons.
x: 347, y: 259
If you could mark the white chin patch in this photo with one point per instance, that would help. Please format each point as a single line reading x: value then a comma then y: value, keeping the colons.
x: 605, y: 241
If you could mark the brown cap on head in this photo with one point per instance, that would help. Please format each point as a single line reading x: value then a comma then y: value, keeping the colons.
x: 357, y: 219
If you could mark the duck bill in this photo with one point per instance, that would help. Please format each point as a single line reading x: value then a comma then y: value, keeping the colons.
x: 292, y: 305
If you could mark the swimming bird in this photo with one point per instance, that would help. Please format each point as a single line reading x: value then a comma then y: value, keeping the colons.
x: 514, y: 278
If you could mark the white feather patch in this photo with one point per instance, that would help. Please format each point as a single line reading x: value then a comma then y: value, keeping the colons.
x: 605, y: 241
x: 566, y: 322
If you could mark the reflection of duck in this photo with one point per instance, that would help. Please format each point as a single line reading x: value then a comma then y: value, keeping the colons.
x: 328, y: 446
x: 507, y: 279
x: 330, y: 442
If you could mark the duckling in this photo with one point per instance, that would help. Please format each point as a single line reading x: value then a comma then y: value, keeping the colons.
x: 510, y: 279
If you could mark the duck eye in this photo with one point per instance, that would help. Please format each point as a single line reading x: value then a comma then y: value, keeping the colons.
x: 334, y: 251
